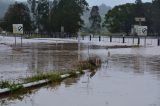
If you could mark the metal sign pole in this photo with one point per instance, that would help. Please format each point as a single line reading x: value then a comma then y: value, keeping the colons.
x: 21, y: 40
x: 15, y: 39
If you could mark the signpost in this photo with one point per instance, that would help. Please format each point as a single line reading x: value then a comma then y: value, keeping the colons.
x: 140, y: 19
x: 18, y: 29
x: 142, y: 30
x: 139, y: 29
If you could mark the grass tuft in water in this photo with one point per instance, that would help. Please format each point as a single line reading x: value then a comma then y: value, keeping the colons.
x: 73, y: 74
x: 91, y: 64
x: 55, y: 77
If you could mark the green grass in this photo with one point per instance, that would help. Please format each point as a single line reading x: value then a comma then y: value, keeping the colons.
x: 11, y: 86
x: 55, y: 77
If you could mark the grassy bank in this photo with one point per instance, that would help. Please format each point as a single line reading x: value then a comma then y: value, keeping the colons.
x: 90, y: 64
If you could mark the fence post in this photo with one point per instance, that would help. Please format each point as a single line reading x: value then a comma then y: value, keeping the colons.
x: 123, y: 39
x: 158, y: 41
x: 110, y: 38
x: 99, y: 38
x: 138, y: 40
x: 83, y: 37
x: 133, y: 40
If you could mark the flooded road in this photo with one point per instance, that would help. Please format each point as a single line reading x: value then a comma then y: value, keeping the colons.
x: 129, y: 77
x: 17, y: 62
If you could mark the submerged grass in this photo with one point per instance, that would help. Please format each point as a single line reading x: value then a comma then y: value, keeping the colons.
x: 73, y: 74
x: 90, y: 64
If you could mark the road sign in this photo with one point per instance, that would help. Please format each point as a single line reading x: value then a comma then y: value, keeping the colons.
x: 140, y: 19
x: 18, y: 28
x: 140, y: 30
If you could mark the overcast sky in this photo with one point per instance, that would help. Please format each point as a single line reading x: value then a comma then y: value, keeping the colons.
x: 111, y: 3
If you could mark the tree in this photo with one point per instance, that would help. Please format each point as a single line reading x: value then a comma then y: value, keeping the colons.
x: 40, y: 14
x: 147, y: 7
x: 139, y: 9
x: 95, y: 19
x: 43, y: 15
x: 156, y: 16
x: 17, y: 13
x: 67, y: 13
x: 120, y: 18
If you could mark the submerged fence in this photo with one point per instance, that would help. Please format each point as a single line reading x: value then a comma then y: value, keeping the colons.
x: 135, y: 40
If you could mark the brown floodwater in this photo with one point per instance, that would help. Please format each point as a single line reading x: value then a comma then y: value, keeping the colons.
x: 19, y: 62
x: 129, y: 77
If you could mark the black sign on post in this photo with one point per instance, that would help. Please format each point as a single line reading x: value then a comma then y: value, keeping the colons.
x: 20, y: 28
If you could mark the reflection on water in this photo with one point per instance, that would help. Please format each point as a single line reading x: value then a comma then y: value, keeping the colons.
x: 29, y: 95
x: 137, y: 63
x: 126, y: 78
x: 19, y: 62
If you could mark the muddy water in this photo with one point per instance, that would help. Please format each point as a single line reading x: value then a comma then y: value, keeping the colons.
x: 18, y: 62
x: 129, y: 77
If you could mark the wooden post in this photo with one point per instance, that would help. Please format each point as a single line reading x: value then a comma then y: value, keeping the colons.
x: 138, y: 40
x: 110, y: 38
x: 123, y: 39
x: 158, y: 41
x: 90, y: 37
x: 99, y: 38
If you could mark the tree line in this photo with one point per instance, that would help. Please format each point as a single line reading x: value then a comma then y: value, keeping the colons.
x: 65, y: 15
x: 121, y: 18
x: 46, y: 16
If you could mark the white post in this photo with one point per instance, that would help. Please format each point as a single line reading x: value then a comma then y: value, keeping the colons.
x: 79, y: 44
